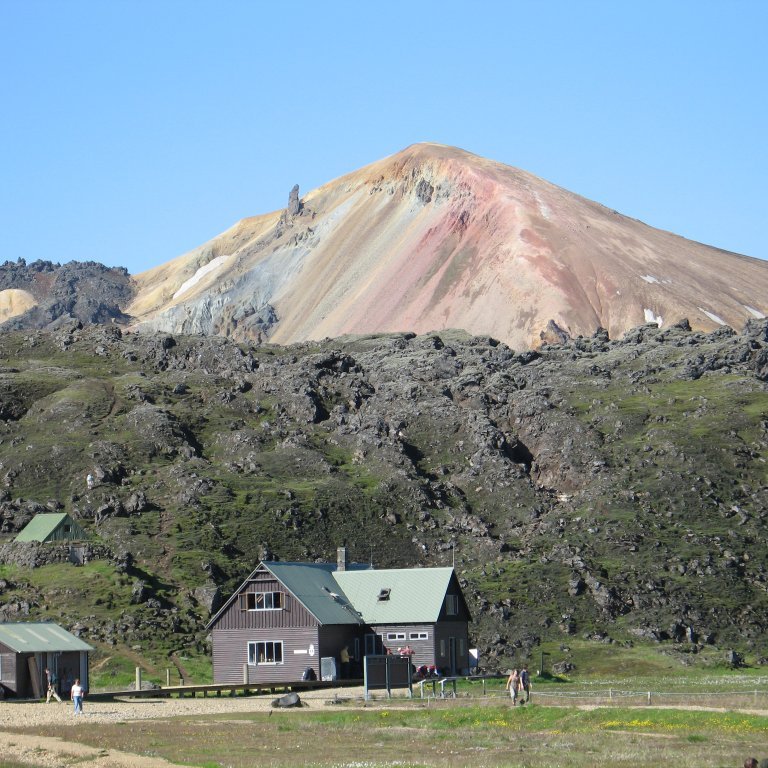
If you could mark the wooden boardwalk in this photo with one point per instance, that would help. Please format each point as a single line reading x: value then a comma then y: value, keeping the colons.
x: 217, y: 689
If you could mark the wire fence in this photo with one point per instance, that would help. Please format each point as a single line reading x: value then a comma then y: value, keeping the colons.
x: 756, y: 699
x: 490, y: 689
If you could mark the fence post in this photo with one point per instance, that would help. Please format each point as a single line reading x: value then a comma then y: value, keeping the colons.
x: 649, y: 697
x: 483, y: 687
x: 138, y: 678
x: 610, y: 694
x: 167, y: 678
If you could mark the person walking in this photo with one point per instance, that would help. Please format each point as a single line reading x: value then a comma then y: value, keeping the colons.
x: 525, y: 683
x: 77, y: 696
x: 513, y: 684
x: 53, y: 681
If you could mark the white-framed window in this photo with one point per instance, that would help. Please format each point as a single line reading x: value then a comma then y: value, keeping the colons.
x: 265, y: 652
x: 452, y: 605
x: 418, y: 636
x: 262, y: 601
x: 395, y: 635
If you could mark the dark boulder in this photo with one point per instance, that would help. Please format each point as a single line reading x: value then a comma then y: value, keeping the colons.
x: 287, y: 701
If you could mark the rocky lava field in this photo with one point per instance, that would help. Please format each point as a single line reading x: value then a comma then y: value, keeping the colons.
x: 614, y: 490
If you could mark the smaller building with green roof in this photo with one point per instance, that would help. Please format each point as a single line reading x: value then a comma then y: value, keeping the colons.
x: 27, y: 649
x: 52, y: 526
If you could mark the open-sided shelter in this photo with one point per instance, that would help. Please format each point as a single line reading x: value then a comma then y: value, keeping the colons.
x: 27, y: 648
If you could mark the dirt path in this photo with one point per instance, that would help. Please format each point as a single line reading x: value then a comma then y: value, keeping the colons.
x: 47, y: 751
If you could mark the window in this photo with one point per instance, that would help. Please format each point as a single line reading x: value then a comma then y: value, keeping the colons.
x: 261, y: 601
x: 462, y: 647
x: 452, y: 605
x: 266, y: 652
x: 395, y: 635
x: 442, y: 647
x: 384, y: 595
x: 418, y: 636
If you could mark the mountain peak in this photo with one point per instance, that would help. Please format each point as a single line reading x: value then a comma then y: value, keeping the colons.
x: 435, y: 237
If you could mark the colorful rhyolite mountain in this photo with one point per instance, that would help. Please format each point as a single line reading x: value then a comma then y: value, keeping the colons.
x: 433, y: 238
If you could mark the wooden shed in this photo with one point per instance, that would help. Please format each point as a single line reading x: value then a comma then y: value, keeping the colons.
x: 27, y: 648
x: 53, y: 526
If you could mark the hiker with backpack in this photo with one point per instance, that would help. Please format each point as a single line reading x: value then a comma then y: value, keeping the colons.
x: 52, y: 683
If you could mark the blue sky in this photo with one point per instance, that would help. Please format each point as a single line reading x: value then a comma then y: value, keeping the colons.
x: 132, y: 132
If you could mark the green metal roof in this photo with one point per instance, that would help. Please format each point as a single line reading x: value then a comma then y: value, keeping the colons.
x: 314, y: 586
x: 351, y: 596
x: 31, y: 637
x: 40, y: 527
x: 415, y: 596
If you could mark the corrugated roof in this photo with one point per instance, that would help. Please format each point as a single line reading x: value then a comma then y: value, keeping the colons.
x: 313, y: 584
x: 32, y: 637
x: 415, y: 594
x: 351, y: 596
x: 40, y: 527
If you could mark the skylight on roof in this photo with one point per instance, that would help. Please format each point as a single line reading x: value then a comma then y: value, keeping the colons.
x: 384, y: 594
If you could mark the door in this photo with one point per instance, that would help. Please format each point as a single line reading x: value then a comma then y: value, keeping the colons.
x: 452, y: 654
x: 372, y: 645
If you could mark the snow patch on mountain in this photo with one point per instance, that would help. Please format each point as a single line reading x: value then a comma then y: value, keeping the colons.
x: 650, y: 317
x: 713, y: 317
x: 206, y: 269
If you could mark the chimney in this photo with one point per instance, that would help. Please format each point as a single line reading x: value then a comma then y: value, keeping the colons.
x: 341, y: 559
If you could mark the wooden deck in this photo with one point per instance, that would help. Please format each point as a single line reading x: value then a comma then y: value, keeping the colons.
x: 217, y: 689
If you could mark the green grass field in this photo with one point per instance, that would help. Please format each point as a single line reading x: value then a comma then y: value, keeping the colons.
x: 449, y: 733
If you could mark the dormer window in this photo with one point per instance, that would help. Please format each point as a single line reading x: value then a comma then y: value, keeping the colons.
x: 384, y: 595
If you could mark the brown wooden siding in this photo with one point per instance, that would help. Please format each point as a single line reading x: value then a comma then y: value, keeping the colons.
x: 423, y: 650
x: 292, y: 615
x: 230, y: 654
x: 8, y: 669
x: 455, y: 589
x: 443, y: 632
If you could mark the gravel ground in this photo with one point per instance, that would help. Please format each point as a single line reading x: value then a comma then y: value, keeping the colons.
x: 22, y: 715
x: 48, y: 752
